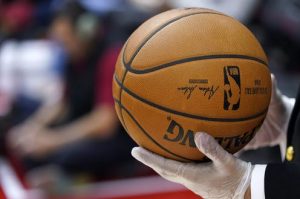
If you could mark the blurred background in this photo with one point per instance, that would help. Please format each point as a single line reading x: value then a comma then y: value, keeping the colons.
x: 59, y: 135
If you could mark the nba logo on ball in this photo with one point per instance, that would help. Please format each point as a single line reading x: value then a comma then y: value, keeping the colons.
x: 190, y: 70
x: 232, y: 88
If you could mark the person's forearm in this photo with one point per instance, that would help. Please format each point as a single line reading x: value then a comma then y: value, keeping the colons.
x: 101, y: 122
x: 47, y: 113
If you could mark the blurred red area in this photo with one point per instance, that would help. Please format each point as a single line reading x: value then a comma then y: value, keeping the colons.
x: 2, y: 193
x: 151, y: 187
x: 170, y: 195
x: 17, y: 15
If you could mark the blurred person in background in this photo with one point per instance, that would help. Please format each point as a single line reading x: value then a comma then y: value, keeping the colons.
x: 80, y: 133
x: 75, y: 127
x: 31, y: 67
x: 30, y: 75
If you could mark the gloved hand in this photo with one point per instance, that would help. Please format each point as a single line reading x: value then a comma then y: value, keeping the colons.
x: 224, y: 178
x: 274, y: 129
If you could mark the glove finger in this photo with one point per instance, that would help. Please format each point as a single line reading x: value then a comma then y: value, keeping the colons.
x: 209, y: 147
x: 163, y: 166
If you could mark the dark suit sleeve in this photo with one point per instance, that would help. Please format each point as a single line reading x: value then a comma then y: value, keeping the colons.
x: 282, y: 181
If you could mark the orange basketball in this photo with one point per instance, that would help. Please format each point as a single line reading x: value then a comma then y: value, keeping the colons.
x: 190, y: 70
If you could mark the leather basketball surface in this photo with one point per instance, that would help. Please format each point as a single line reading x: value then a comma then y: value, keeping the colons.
x: 190, y: 70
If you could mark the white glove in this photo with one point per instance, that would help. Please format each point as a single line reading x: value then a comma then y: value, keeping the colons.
x: 224, y: 178
x: 273, y: 131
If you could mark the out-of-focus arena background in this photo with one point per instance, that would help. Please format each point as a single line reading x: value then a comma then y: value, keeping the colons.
x: 59, y: 136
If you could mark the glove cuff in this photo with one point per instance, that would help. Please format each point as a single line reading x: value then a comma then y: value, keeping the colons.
x: 244, y: 183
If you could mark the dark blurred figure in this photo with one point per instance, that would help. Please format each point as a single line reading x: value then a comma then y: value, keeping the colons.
x: 277, y: 25
x: 81, y: 132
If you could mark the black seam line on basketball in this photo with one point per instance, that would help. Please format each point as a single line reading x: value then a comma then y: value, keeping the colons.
x: 162, y: 27
x: 147, y: 134
x: 120, y: 97
x: 191, y: 59
x: 121, y: 88
x: 210, y: 119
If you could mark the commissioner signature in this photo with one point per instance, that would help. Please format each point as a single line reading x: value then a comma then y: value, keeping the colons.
x: 209, y: 90
x: 187, y: 90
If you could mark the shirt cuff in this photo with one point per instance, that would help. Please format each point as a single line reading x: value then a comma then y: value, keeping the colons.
x: 258, y: 182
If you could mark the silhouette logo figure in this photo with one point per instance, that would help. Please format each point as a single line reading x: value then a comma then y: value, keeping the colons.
x: 232, y: 88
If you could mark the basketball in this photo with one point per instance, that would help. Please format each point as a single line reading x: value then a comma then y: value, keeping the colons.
x: 190, y: 70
